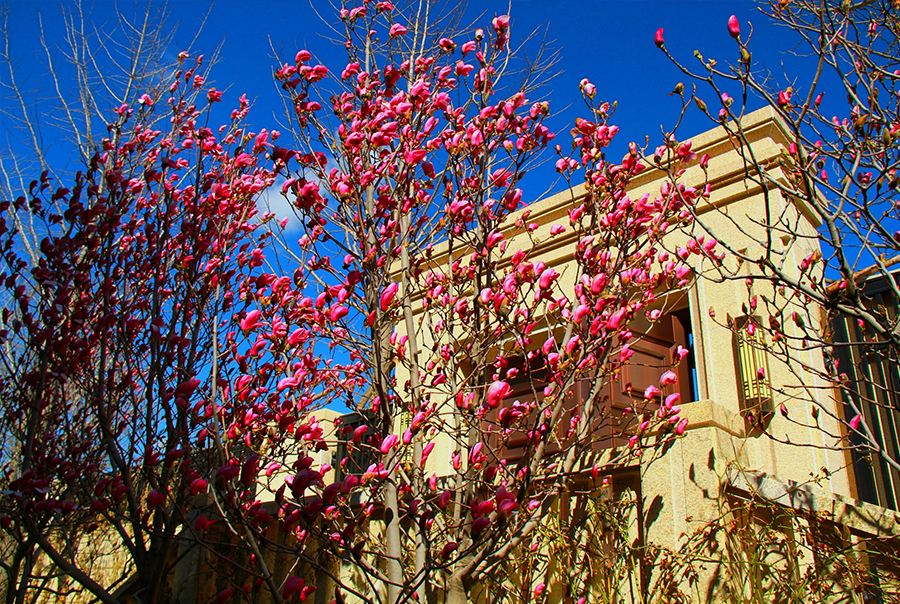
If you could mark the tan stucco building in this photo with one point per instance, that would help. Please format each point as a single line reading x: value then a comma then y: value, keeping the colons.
x: 775, y: 441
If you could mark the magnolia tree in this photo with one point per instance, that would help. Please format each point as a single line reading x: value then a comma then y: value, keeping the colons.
x: 841, y: 168
x: 166, y: 359
x: 92, y: 71
x: 109, y: 397
x: 435, y: 288
x: 89, y: 70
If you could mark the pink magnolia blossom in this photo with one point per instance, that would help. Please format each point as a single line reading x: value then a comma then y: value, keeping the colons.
x: 251, y: 321
x: 547, y: 277
x: 224, y: 596
x: 854, y: 423
x: 198, y: 485
x: 658, y: 38
x: 497, y: 391
x: 494, y: 238
x: 426, y: 451
x: 682, y: 271
x: 616, y: 320
x: 734, y: 28
x: 447, y: 45
x: 475, y: 455
x: 684, y: 153
x: 397, y: 30
x: 415, y: 156
x: 285, y: 383
x: 672, y: 400
x: 704, y: 161
x: 227, y: 472
x: 359, y: 432
x: 784, y: 97
x: 389, y: 443
x: 249, y: 469
x: 480, y: 524
x: 155, y: 498
x: 589, y: 89
x: 339, y: 312
x: 581, y: 311
x: 388, y: 295
x: 375, y: 471
x: 549, y: 345
x: 291, y: 586
x: 585, y: 126
x: 482, y: 508
x: 512, y: 199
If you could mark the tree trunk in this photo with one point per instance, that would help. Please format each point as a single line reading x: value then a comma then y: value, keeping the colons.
x: 392, y: 540
x: 456, y: 591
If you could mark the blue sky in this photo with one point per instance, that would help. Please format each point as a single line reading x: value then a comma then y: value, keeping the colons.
x: 611, y: 43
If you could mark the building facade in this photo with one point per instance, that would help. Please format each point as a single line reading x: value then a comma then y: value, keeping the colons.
x: 756, y: 451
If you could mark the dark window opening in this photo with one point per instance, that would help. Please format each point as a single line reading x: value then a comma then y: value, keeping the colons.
x: 358, y: 456
x: 511, y: 425
x: 873, y: 388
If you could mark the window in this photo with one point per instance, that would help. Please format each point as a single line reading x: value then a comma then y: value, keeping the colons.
x: 510, y: 431
x: 873, y: 386
x: 654, y: 347
x: 359, y: 458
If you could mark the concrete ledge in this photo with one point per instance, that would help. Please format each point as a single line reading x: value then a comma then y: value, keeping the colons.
x: 864, y: 519
x: 710, y: 414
